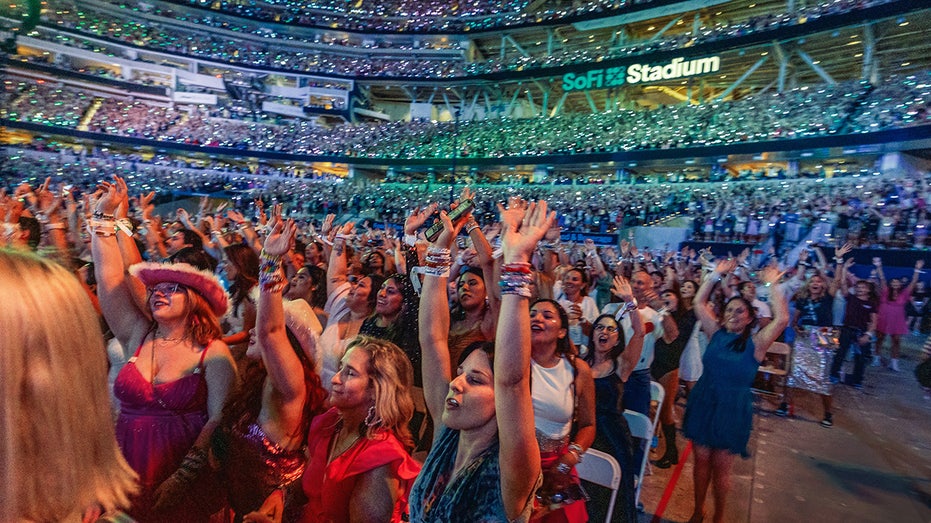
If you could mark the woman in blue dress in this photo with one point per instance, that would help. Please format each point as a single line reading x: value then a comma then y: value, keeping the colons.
x: 719, y: 415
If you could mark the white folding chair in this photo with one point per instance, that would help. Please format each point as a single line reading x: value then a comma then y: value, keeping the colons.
x: 602, y: 469
x: 640, y: 427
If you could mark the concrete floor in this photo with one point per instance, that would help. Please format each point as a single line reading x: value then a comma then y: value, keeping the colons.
x: 874, y: 465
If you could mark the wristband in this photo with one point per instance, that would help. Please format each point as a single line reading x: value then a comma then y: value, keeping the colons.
x: 577, y: 449
x: 410, y: 239
x: 124, y: 225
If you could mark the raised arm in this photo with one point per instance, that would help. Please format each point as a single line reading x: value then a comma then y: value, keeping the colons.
x: 878, y: 263
x: 123, y: 315
x: 919, y: 264
x: 284, y: 367
x: 337, y: 270
x: 836, y: 283
x: 634, y: 347
x: 779, y: 304
x: 433, y: 321
x: 519, y: 454
x: 703, y: 311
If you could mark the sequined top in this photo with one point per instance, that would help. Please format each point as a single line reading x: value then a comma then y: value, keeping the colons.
x: 257, y: 466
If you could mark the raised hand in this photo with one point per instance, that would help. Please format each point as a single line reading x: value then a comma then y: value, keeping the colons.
x: 449, y: 232
x: 725, y: 266
x: 145, y: 205
x: 327, y: 225
x: 621, y: 289
x: 418, y: 217
x: 185, y: 218
x: 770, y: 275
x: 112, y: 196
x: 236, y: 216
x: 280, y: 238
x: 523, y: 226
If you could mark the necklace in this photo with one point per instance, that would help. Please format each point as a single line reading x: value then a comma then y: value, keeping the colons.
x: 180, y: 338
x: 335, y: 444
x: 155, y: 340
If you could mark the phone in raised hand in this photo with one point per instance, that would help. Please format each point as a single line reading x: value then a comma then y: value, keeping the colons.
x: 464, y: 207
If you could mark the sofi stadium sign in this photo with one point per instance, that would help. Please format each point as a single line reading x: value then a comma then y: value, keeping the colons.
x: 639, y: 73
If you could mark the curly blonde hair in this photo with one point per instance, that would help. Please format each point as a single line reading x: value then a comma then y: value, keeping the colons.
x: 391, y: 377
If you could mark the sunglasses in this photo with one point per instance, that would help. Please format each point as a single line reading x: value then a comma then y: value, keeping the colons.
x: 166, y: 289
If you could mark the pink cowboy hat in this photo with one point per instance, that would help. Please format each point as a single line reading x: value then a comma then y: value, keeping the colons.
x: 201, y: 282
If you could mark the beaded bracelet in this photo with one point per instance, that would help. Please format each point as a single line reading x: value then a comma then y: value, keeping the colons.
x: 515, y: 282
x: 271, y: 278
x: 577, y: 449
x: 436, y: 262
x: 627, y: 307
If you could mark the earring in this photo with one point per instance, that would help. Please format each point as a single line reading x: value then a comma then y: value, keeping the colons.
x: 372, y: 419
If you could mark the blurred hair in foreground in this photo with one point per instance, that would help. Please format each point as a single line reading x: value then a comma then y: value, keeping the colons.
x: 58, y: 453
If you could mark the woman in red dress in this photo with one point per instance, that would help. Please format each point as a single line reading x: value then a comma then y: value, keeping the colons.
x: 359, y: 468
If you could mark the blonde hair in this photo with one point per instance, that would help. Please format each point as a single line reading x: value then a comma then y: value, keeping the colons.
x: 58, y: 452
x: 392, y: 376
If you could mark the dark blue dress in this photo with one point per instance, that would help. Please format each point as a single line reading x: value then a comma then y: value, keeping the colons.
x: 719, y: 413
x: 613, y: 436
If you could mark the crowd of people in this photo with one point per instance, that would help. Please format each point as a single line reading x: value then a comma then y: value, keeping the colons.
x: 407, y: 16
x: 866, y: 210
x: 270, y: 369
x: 282, y: 50
x: 804, y: 112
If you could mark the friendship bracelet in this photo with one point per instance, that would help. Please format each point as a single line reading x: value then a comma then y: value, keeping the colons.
x: 576, y: 449
x: 271, y: 278
x: 516, y: 283
x: 624, y: 309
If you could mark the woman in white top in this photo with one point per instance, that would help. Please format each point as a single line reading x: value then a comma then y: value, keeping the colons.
x: 580, y: 307
x: 563, y: 392
x: 350, y: 300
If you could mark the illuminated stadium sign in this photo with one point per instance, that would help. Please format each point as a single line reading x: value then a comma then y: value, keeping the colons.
x: 639, y: 73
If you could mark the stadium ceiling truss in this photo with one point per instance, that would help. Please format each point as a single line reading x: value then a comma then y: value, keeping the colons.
x: 870, y: 51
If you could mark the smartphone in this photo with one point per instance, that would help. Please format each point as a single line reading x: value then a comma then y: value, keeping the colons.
x: 461, y: 209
